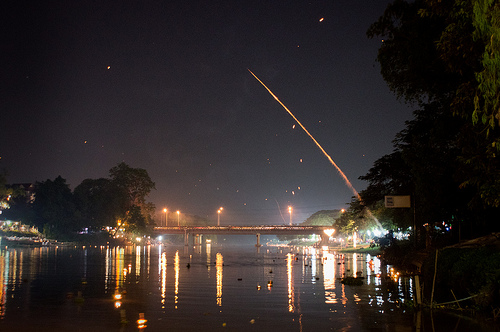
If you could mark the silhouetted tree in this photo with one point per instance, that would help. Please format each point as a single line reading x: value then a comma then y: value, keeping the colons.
x: 136, y: 185
x: 100, y: 202
x: 440, y: 53
x: 54, y: 208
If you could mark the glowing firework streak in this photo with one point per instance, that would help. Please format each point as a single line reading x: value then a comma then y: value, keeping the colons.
x: 347, y: 182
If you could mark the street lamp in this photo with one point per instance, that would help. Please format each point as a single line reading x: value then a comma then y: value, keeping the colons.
x: 290, y: 211
x: 166, y: 216
x: 178, y: 213
x: 218, y: 215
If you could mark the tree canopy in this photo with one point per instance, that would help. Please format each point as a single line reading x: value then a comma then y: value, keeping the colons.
x: 95, y: 203
x: 5, y: 192
x: 54, y: 209
x: 442, y: 56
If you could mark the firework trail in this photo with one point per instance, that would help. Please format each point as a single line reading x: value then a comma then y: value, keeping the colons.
x: 348, y: 183
x: 279, y: 209
x: 346, y: 180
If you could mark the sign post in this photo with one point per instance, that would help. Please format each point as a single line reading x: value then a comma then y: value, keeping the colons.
x: 402, y: 202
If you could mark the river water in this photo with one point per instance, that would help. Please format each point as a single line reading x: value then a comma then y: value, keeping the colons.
x: 206, y: 288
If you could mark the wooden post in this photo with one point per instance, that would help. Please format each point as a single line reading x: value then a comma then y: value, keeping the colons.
x: 455, y: 298
x: 434, y: 279
x: 418, y: 291
x: 258, y: 241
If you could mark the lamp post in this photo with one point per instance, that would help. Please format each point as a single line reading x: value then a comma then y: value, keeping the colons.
x: 290, y: 211
x: 166, y: 216
x: 218, y: 215
x: 178, y: 213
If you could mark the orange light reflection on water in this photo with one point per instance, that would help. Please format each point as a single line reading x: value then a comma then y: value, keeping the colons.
x: 176, y: 285
x: 219, y: 261
x: 289, y: 272
x: 138, y: 261
x: 329, y: 263
x: 3, y: 285
x: 163, y: 270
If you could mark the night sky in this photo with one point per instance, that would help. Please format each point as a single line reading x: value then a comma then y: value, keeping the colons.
x: 164, y: 86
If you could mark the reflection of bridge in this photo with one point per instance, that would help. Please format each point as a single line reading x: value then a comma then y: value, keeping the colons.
x: 197, y: 231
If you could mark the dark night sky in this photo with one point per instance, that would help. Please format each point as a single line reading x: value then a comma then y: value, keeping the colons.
x: 178, y: 101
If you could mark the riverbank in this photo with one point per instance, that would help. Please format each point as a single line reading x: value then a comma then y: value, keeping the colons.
x: 360, y: 249
x: 463, y: 277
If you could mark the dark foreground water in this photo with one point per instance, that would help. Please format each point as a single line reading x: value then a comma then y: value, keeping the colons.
x: 205, y: 288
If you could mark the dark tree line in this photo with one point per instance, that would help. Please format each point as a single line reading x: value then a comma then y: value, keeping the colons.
x: 443, y: 57
x: 119, y: 200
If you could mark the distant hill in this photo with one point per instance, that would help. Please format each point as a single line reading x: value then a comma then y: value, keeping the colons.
x: 322, y: 218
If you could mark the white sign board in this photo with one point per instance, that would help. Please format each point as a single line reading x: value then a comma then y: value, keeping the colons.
x: 397, y: 201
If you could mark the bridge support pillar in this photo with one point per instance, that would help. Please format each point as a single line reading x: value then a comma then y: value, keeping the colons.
x: 198, y: 239
x: 258, y: 240
x: 324, y: 239
x: 186, y: 238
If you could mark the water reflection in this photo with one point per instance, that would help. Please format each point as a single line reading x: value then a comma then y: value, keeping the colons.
x: 137, y: 261
x: 209, y: 259
x: 4, y: 261
x: 329, y: 264
x: 109, y: 288
x: 115, y: 269
x: 219, y: 263
x: 163, y: 276
x: 289, y: 272
x: 176, y: 285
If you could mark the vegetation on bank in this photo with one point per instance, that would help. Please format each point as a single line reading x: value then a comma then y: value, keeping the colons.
x: 464, y: 273
x: 373, y: 251
x: 469, y: 274
x: 93, y: 209
x: 15, y: 233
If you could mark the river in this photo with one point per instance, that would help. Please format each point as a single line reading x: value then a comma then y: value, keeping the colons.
x: 206, y: 288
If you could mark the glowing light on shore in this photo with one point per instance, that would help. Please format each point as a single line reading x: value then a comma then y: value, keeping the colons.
x: 329, y: 232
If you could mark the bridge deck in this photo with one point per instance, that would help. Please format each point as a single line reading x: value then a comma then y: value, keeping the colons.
x: 242, y: 230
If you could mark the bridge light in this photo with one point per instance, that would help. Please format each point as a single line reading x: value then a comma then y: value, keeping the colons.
x: 329, y: 232
x: 218, y: 215
x: 290, y: 211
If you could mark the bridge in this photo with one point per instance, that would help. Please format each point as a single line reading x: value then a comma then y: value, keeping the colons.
x: 198, y: 231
